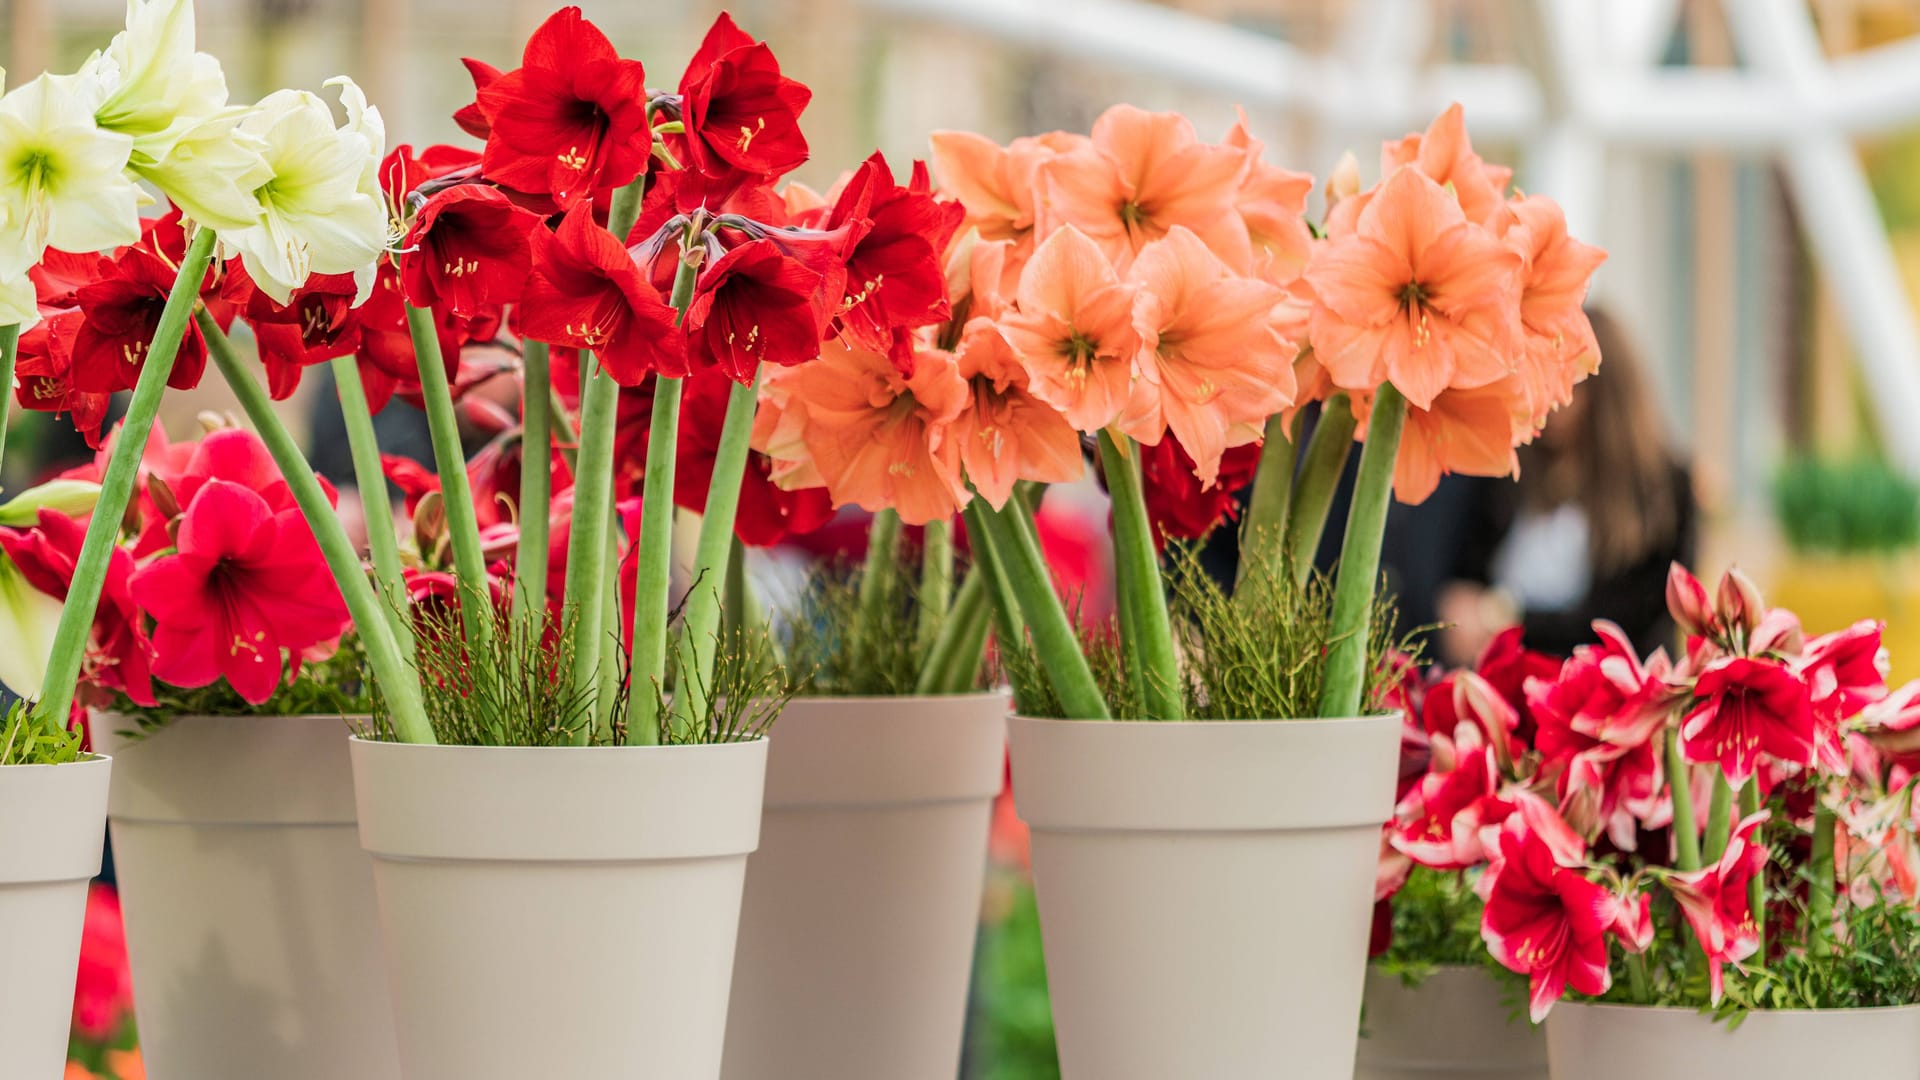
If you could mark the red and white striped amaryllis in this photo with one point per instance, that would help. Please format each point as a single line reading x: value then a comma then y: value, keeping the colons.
x: 1596, y: 726
x: 1717, y: 902
x: 1546, y: 918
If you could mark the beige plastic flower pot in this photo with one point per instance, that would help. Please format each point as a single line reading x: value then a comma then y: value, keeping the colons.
x: 252, y: 932
x: 1591, y: 1042
x: 559, y: 912
x: 52, y: 820
x: 863, y: 901
x: 1205, y: 890
x: 1454, y: 1024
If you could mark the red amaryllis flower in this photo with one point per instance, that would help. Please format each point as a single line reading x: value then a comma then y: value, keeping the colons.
x: 895, y: 278
x: 1845, y: 672
x: 1717, y: 904
x: 572, y: 119
x: 1451, y: 819
x: 1507, y: 665
x: 121, y: 314
x: 402, y: 171
x: 103, y: 990
x: 245, y: 587
x: 755, y: 305
x: 1595, y: 727
x: 118, y: 656
x: 43, y: 376
x: 741, y: 114
x: 1179, y: 506
x: 469, y: 247
x: 767, y: 513
x: 1749, y: 707
x: 586, y: 292
x: 1544, y: 919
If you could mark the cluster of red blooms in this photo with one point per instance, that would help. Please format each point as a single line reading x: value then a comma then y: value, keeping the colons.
x: 220, y: 577
x: 1542, y: 778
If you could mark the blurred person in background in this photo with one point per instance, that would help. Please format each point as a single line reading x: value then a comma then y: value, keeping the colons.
x: 1602, y: 507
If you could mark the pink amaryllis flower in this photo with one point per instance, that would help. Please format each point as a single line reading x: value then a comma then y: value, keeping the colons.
x: 1716, y: 901
x: 1749, y: 707
x: 1845, y: 672
x: 1596, y: 723
x: 1451, y: 819
x: 245, y: 587
x: 1544, y: 918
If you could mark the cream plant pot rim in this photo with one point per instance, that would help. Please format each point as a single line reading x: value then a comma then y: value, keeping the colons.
x: 1708, y: 1014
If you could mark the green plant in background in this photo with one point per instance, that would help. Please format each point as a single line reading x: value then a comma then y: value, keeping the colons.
x: 336, y: 685
x: 1436, y: 924
x: 28, y: 738
x: 1853, y: 505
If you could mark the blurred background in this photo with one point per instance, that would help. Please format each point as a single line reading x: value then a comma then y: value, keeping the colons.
x: 1751, y: 166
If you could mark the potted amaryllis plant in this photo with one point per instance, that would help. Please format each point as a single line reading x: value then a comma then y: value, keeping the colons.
x: 1436, y: 1003
x: 218, y: 681
x: 1140, y: 287
x: 1728, y: 883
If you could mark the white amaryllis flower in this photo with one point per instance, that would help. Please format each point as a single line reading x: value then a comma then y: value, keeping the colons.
x: 173, y: 101
x: 321, y: 211
x: 18, y: 305
x: 28, y: 619
x: 62, y: 177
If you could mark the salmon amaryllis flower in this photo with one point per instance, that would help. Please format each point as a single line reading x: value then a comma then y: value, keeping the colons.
x: 1006, y: 434
x: 1465, y: 432
x: 587, y: 293
x: 1141, y: 175
x: 1544, y: 919
x: 1749, y: 707
x: 1212, y: 368
x: 741, y: 114
x: 469, y: 247
x: 571, y: 120
x: 1073, y: 328
x: 1717, y: 902
x: 768, y: 513
x: 246, y: 588
x: 1559, y: 348
x: 1417, y: 295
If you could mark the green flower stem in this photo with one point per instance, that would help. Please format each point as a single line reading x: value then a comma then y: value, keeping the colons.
x: 1346, y: 678
x: 586, y: 584
x: 383, y: 543
x: 1820, y: 890
x: 1010, y: 534
x: 1719, y: 820
x: 1637, y: 982
x: 9, y: 351
x: 1141, y: 589
x: 116, y: 487
x: 536, y: 488
x: 734, y: 606
x: 1263, y: 532
x: 699, y: 635
x: 881, y: 566
x: 565, y: 438
x: 1326, y: 459
x: 450, y: 461
x: 936, y: 579
x: 1757, y: 888
x: 960, y: 640
x: 654, y: 575
x: 607, y: 675
x: 392, y: 668
x: 1686, y: 835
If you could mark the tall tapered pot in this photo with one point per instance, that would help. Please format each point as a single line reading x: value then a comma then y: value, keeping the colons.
x: 1591, y: 1042
x: 52, y: 820
x: 1455, y: 1023
x: 1205, y: 890
x: 252, y: 932
x: 863, y: 901
x: 559, y: 912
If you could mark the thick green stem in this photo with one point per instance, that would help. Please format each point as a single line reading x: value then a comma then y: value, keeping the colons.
x: 936, y: 580
x: 587, y: 580
x: 1263, y: 532
x: 1756, y: 888
x: 450, y: 461
x: 536, y: 489
x: 699, y: 636
x: 954, y: 657
x: 383, y: 543
x: 1010, y: 533
x: 654, y: 573
x: 393, y: 671
x: 1142, y: 592
x: 9, y: 350
x: 1326, y: 459
x: 116, y: 487
x: 1719, y: 820
x: 607, y: 675
x: 1820, y: 889
x: 1346, y: 680
x: 1686, y: 835
x: 877, y: 575
x: 1637, y: 983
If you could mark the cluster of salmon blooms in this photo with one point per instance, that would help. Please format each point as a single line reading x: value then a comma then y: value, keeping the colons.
x: 1553, y: 786
x: 1142, y: 281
